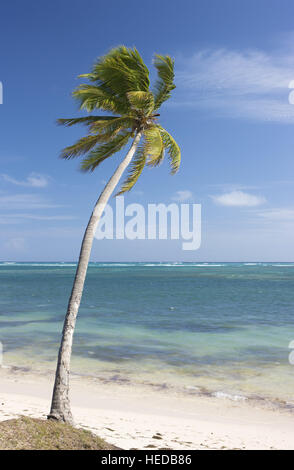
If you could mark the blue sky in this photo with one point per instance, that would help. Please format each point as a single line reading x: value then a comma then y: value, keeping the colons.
x: 230, y: 113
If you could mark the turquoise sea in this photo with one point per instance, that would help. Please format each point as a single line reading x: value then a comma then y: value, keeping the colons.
x: 214, y: 328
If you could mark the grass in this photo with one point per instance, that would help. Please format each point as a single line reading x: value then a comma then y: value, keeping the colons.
x: 37, y: 434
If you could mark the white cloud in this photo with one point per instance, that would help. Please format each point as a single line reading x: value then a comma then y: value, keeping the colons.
x: 238, y: 199
x: 8, y: 219
x: 182, y: 196
x: 282, y: 214
x: 24, y: 202
x: 249, y: 84
x: 137, y: 192
x: 34, y: 180
x: 16, y: 244
x: 233, y: 186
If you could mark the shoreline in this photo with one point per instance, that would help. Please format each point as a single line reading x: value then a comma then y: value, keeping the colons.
x: 148, y: 383
x: 164, y: 419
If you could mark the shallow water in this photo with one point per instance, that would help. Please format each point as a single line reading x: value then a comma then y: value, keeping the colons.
x: 219, y: 327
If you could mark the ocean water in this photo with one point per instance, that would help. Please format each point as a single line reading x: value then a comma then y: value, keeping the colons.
x: 217, y: 328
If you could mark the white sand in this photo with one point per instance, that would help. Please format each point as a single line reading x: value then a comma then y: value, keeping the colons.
x: 130, y: 416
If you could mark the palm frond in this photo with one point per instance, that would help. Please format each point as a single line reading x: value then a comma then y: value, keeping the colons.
x: 112, y: 126
x: 155, y: 161
x: 135, y: 171
x: 82, y: 146
x: 101, y: 131
x: 172, y: 148
x: 84, y: 120
x: 121, y: 70
x: 153, y: 145
x: 92, y: 97
x: 165, y: 83
x: 98, y: 155
x: 142, y: 101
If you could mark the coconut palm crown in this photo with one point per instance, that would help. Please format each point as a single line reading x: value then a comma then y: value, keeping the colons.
x: 119, y: 83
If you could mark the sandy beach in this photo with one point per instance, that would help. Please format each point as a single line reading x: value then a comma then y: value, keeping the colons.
x: 135, y: 417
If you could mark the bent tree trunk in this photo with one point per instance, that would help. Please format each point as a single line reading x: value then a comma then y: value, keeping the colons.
x: 60, y: 406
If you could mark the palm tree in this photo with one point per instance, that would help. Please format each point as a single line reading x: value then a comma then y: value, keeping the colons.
x: 119, y: 83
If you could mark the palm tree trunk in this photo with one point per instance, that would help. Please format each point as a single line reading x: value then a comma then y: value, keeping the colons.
x: 60, y: 406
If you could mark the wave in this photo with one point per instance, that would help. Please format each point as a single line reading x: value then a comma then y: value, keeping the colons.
x: 187, y: 265
x: 229, y: 396
x: 208, y: 265
x: 284, y: 265
x: 39, y: 264
x: 115, y: 264
x: 141, y: 264
x: 157, y: 265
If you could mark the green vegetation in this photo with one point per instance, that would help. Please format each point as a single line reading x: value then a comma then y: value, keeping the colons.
x: 37, y: 434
